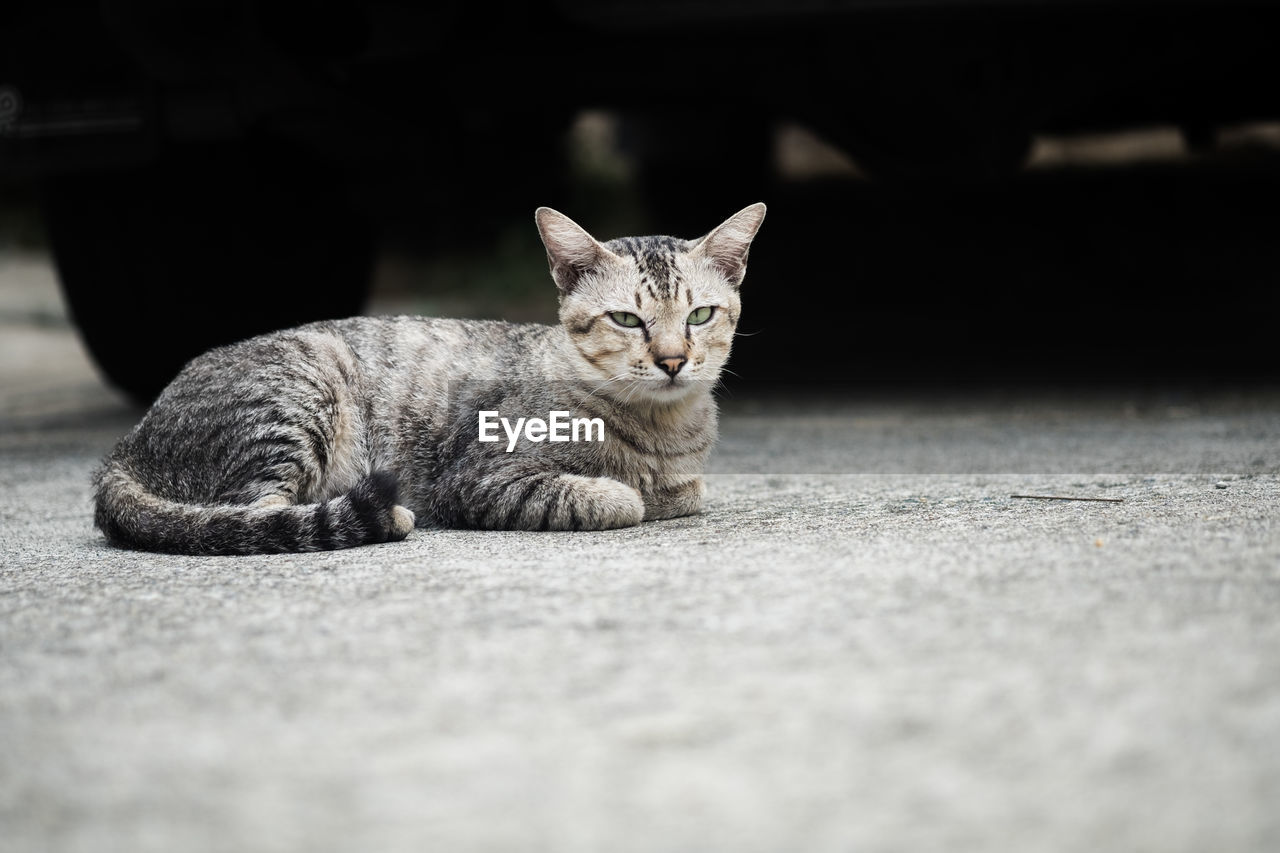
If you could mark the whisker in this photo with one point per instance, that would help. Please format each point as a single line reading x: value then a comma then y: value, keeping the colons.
x: 719, y: 389
x: 631, y: 391
x: 593, y: 391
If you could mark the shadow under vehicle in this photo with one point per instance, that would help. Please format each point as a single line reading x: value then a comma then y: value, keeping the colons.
x: 212, y: 170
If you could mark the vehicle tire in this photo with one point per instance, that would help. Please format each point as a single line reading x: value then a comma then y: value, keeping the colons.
x: 210, y: 245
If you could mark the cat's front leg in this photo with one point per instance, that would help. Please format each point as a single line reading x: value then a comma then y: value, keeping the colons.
x: 545, y: 500
x: 591, y: 503
x: 676, y: 501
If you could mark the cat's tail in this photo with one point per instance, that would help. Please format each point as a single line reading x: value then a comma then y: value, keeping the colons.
x: 132, y: 517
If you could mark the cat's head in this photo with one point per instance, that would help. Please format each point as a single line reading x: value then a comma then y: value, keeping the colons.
x: 653, y: 317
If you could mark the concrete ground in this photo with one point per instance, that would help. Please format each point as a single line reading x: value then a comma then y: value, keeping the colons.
x: 864, y: 644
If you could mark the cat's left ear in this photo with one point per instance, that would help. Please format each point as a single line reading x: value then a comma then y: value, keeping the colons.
x: 728, y: 244
x: 571, y: 251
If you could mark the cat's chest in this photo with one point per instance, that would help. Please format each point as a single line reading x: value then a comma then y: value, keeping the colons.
x: 654, y: 462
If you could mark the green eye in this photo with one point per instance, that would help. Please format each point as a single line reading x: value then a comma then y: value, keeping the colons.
x: 625, y: 318
x: 700, y: 315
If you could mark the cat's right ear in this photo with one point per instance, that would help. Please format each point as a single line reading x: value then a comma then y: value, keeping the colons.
x: 571, y: 251
x: 727, y: 246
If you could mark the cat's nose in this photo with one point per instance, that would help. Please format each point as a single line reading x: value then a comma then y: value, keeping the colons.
x: 671, y: 364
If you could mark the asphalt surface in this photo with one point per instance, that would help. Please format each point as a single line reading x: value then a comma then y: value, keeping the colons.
x: 865, y: 643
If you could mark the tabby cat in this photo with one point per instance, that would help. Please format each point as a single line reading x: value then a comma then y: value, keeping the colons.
x: 343, y: 433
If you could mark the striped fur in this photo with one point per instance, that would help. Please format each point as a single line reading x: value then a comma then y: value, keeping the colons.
x: 349, y: 432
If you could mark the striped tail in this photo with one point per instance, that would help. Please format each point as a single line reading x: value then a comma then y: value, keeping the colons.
x: 132, y: 517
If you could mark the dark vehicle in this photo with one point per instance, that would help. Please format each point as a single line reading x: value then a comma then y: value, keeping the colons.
x: 212, y: 170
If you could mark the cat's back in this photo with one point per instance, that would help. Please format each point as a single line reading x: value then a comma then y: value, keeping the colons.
x: 358, y: 357
x: 478, y: 349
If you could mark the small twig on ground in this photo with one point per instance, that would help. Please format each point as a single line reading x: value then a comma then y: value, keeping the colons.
x: 1067, y: 498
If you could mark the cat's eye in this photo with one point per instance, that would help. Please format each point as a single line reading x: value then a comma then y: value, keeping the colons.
x: 624, y: 318
x: 700, y: 315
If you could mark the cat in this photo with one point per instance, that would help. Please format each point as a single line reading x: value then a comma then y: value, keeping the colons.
x: 349, y: 432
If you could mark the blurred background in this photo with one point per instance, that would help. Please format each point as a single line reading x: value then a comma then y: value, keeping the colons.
x: 985, y: 193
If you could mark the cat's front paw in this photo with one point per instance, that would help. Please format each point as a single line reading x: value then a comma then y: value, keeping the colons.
x: 682, y: 500
x: 594, y: 503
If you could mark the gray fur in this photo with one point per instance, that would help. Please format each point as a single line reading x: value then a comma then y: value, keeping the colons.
x: 348, y: 432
